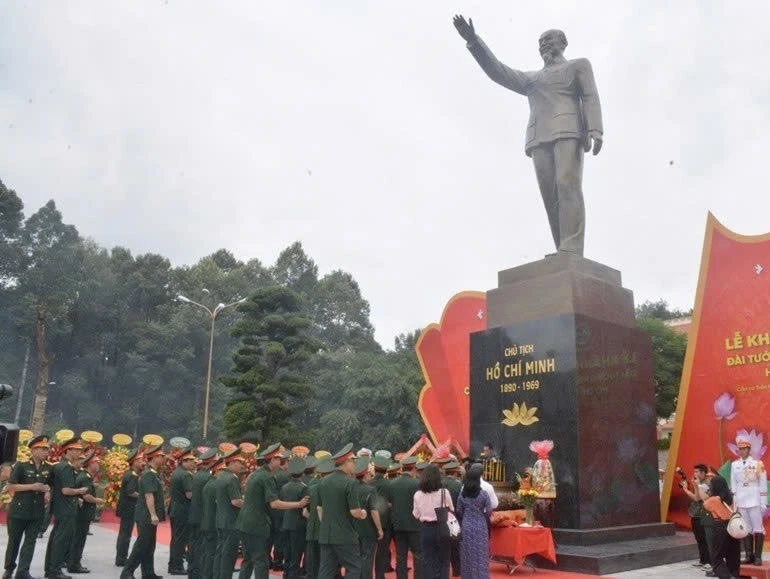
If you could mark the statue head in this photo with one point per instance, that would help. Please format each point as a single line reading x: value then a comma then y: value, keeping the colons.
x: 552, y: 44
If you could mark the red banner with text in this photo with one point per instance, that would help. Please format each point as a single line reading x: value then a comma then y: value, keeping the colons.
x: 725, y: 388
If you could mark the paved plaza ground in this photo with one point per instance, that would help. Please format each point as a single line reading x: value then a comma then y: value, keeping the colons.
x: 100, y: 558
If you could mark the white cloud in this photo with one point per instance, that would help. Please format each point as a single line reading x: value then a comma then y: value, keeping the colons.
x: 367, y: 131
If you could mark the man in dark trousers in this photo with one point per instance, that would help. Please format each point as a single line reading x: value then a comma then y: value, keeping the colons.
x: 380, y: 483
x: 209, y: 559
x: 255, y: 519
x: 229, y: 499
x: 312, y: 549
x: 279, y: 535
x: 86, y: 511
x: 30, y: 483
x: 370, y: 528
x: 338, y: 509
x: 126, y: 507
x: 294, y: 524
x: 64, y: 507
x: 406, y: 529
x: 180, y: 493
x: 150, y: 511
x: 200, y: 478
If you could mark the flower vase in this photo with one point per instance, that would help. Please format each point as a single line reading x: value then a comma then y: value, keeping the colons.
x: 530, y: 516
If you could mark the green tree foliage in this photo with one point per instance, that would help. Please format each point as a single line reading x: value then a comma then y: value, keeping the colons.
x: 659, y: 310
x: 269, y: 379
x: 668, y: 350
x: 112, y: 349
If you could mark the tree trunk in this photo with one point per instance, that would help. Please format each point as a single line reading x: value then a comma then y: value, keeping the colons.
x: 43, y: 366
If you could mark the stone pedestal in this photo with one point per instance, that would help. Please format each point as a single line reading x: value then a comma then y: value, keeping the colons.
x: 562, y: 360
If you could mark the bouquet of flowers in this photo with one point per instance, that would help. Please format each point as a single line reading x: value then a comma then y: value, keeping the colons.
x: 527, y: 498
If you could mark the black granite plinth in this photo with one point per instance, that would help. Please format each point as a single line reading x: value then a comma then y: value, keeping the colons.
x: 587, y: 385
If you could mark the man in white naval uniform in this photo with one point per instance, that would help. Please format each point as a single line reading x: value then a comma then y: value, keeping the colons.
x: 748, y: 481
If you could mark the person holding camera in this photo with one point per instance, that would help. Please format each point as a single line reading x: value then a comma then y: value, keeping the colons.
x: 697, y: 495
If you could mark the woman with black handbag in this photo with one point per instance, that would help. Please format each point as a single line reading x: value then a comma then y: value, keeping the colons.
x: 432, y: 502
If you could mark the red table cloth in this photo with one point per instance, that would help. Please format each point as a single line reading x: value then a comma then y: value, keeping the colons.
x: 518, y: 542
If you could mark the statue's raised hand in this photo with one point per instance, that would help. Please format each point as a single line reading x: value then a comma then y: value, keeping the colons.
x: 464, y: 28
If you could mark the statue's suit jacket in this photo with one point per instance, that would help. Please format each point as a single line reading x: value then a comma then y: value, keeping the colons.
x: 563, y: 100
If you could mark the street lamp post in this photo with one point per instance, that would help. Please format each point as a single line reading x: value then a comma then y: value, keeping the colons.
x: 213, y: 315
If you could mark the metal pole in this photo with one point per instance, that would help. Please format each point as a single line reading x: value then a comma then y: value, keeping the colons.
x: 23, y: 382
x: 208, y: 378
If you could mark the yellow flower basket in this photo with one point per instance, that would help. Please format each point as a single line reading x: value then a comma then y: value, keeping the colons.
x: 152, y: 439
x: 91, y: 436
x: 121, y: 439
x: 64, y: 434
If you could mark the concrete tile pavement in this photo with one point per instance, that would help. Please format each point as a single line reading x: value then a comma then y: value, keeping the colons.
x: 99, y: 557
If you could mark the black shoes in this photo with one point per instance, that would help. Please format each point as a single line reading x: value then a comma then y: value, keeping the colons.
x: 78, y: 570
x: 177, y: 572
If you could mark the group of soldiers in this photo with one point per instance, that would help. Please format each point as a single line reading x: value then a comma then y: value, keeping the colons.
x: 307, y: 516
x: 68, y: 488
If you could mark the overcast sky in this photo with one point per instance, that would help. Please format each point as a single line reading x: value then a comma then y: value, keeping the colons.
x: 367, y: 131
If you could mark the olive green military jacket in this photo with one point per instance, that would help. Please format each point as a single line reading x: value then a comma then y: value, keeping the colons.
x: 227, y: 488
x: 367, y: 498
x: 150, y: 482
x: 454, y: 486
x: 129, y: 484
x: 313, y: 524
x: 293, y: 491
x: 255, y: 516
x: 209, y: 506
x: 86, y: 510
x: 180, y: 485
x: 401, y: 493
x: 281, y: 478
x: 337, y: 496
x: 29, y: 504
x: 196, y: 502
x: 382, y: 501
x: 63, y: 476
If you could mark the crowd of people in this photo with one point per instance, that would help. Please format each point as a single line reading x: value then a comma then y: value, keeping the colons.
x: 306, y: 516
x: 714, y: 500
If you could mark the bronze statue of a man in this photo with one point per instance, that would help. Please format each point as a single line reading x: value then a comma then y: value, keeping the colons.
x: 565, y: 120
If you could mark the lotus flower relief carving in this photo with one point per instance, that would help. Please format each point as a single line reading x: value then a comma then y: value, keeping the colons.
x: 520, y: 415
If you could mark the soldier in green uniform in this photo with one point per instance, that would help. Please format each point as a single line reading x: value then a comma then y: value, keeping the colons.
x: 255, y: 519
x: 229, y: 499
x: 126, y: 507
x: 64, y: 507
x: 150, y: 510
x: 294, y: 524
x: 370, y: 528
x: 200, y: 478
x: 380, y: 483
x: 30, y: 483
x: 338, y: 509
x: 279, y: 535
x: 180, y: 493
x: 86, y: 511
x: 209, y: 560
x: 454, y: 485
x: 312, y: 548
x: 307, y: 477
x: 406, y: 529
